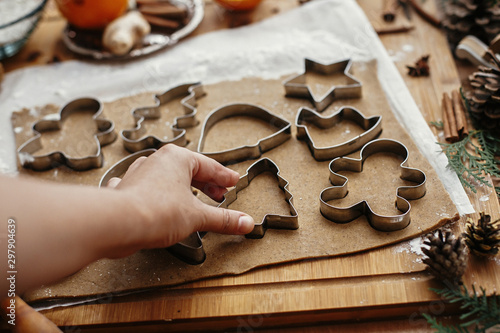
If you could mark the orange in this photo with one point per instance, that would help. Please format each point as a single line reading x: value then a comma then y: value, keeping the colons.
x: 239, y: 4
x: 91, y: 14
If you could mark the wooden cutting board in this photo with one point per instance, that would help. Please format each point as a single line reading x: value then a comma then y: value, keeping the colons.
x: 380, y: 284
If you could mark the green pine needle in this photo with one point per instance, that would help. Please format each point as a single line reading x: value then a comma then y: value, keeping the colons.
x: 440, y: 327
x: 480, y: 311
x: 437, y: 124
x: 469, y: 159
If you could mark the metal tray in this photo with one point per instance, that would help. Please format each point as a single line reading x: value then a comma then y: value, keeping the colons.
x: 87, y: 43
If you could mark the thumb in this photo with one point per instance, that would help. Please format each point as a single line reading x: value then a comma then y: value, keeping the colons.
x: 225, y: 221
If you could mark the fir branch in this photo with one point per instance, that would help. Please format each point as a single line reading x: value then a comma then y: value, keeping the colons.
x: 440, y: 327
x: 437, y: 124
x: 480, y: 311
x: 477, y: 164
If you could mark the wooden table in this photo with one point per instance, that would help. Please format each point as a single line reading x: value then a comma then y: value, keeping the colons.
x: 285, y: 297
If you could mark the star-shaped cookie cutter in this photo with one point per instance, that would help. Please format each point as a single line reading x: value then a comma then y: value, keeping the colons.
x: 298, y: 87
x: 371, y: 125
x: 242, y: 153
x: 403, y: 193
x: 104, y: 136
x: 269, y: 220
x: 189, y: 250
x: 135, y: 139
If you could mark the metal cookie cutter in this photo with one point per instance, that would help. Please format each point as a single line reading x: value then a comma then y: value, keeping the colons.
x: 189, y: 250
x: 270, y: 220
x: 478, y: 53
x: 403, y: 193
x: 135, y: 139
x: 297, y: 86
x: 245, y: 152
x: 371, y: 125
x: 104, y: 136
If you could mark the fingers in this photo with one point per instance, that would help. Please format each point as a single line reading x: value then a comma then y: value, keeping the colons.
x: 213, y: 191
x: 113, y: 182
x: 225, y: 221
x: 207, y: 170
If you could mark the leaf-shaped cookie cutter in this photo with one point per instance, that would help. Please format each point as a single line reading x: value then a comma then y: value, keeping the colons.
x: 135, y: 139
x: 297, y: 86
x: 189, y: 250
x: 403, y: 193
x: 242, y: 153
x: 371, y: 125
x: 104, y: 136
x: 269, y: 220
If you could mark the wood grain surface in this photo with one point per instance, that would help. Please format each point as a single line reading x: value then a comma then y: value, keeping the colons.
x: 386, y: 287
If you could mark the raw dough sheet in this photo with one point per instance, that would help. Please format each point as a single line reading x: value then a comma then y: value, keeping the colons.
x: 317, y: 237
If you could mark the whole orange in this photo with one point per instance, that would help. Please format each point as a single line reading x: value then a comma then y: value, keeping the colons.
x: 239, y: 4
x: 91, y: 14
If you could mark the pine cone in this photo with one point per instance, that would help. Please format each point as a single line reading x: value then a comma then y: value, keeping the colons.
x: 483, y: 238
x: 446, y: 256
x: 484, y: 99
x: 471, y: 17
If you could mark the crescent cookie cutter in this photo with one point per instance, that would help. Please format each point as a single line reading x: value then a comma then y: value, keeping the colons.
x: 371, y: 125
x: 105, y: 135
x: 270, y: 220
x: 136, y: 139
x: 403, y: 193
x: 298, y: 87
x: 189, y: 250
x: 242, y: 153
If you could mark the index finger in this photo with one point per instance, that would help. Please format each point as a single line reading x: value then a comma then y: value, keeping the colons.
x: 209, y: 171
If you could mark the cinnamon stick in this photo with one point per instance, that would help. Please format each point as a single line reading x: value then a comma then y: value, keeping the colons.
x: 459, y: 111
x: 166, y: 10
x: 161, y: 22
x: 424, y: 14
x: 450, y: 126
x: 394, y: 30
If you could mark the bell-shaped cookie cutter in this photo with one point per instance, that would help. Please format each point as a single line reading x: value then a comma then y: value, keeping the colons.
x: 189, y: 250
x: 245, y: 152
x: 136, y: 139
x: 273, y: 221
x: 298, y: 87
x: 403, y: 193
x: 105, y: 135
x: 371, y: 125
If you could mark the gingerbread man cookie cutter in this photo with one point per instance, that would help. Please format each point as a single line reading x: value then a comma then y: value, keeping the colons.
x: 298, y: 87
x: 403, y: 193
x: 189, y: 250
x: 242, y: 153
x: 273, y: 221
x: 105, y: 135
x: 136, y: 139
x: 372, y: 127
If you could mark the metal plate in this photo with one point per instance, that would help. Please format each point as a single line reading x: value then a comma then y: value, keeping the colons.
x: 77, y: 40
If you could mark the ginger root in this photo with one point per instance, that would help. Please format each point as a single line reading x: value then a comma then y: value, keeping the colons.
x: 123, y: 33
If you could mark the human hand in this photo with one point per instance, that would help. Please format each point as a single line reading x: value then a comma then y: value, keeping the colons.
x: 161, y: 184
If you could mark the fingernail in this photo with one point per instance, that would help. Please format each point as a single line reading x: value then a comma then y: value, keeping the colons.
x: 245, y: 224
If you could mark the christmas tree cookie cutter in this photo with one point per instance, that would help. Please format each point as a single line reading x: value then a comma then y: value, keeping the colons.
x: 273, y: 221
x: 136, y: 139
x: 189, y: 250
x: 105, y: 135
x: 372, y: 127
x: 403, y: 193
x: 297, y: 86
x: 242, y: 153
